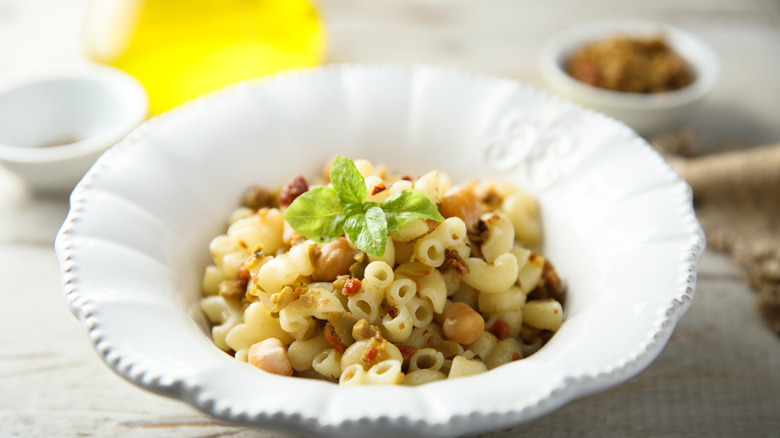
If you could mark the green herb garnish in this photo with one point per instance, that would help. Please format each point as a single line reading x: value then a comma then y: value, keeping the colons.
x: 324, y: 213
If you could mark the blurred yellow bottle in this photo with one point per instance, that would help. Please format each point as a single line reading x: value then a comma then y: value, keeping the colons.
x: 180, y: 49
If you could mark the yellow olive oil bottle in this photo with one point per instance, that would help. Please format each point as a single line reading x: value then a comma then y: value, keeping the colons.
x: 181, y: 49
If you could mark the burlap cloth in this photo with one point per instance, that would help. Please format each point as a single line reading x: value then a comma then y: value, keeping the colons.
x: 737, y: 200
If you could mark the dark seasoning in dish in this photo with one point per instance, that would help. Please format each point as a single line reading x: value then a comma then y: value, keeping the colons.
x: 630, y: 64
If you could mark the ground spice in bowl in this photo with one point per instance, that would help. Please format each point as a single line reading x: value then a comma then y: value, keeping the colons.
x: 634, y: 65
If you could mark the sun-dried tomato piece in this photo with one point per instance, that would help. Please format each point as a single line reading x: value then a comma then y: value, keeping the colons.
x: 292, y: 190
x: 500, y: 329
x: 392, y: 311
x: 333, y: 338
x: 379, y: 188
x: 351, y: 287
x: 377, y: 346
x: 407, y: 351
x: 370, y: 355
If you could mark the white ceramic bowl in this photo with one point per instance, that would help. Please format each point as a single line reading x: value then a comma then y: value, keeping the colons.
x: 618, y: 224
x: 56, y: 121
x: 646, y: 113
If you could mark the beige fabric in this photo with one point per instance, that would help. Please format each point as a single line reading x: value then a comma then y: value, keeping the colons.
x: 737, y: 200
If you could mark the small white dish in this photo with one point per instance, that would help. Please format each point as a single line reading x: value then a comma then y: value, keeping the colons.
x: 645, y: 113
x: 618, y: 224
x: 55, y: 121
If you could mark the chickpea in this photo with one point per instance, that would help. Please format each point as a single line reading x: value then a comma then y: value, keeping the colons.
x: 462, y: 324
x: 335, y: 259
x: 289, y: 236
x: 463, y: 204
x: 271, y: 356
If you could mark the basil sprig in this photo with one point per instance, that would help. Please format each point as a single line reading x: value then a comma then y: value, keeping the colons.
x: 324, y: 213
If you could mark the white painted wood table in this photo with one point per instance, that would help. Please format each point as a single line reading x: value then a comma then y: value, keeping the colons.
x: 718, y: 376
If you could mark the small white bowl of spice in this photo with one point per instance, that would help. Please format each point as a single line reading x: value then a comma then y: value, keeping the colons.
x: 56, y: 121
x: 644, y: 73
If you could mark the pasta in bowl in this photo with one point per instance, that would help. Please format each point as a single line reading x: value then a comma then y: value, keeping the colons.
x: 451, y: 290
x: 616, y: 222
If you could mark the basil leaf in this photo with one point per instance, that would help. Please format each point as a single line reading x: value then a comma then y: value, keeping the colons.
x: 368, y: 232
x: 348, y: 181
x: 323, y: 213
x: 407, y: 205
x: 369, y: 205
x: 376, y: 225
x: 353, y: 209
x: 318, y: 214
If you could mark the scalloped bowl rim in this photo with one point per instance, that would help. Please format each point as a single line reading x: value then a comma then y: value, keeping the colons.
x: 552, y: 394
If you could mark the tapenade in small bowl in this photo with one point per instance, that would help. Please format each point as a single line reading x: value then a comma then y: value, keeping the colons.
x: 643, y: 73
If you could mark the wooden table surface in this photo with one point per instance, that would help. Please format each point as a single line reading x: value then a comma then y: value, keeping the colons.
x: 718, y: 376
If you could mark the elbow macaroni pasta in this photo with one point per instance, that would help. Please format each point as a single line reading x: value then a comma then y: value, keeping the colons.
x: 381, y: 321
x: 501, y: 236
x: 387, y: 372
x: 398, y: 327
x: 378, y: 275
x: 492, y: 278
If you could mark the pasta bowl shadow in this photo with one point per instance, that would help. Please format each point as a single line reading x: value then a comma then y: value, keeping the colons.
x: 617, y: 221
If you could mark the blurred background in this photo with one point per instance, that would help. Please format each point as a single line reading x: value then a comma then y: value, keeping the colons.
x: 502, y: 37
